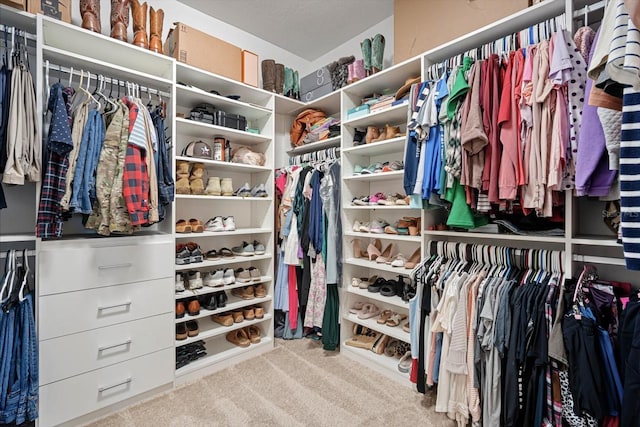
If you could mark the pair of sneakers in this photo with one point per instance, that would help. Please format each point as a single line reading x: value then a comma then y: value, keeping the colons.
x: 246, y: 190
x: 249, y: 249
x: 190, y: 280
x: 219, y: 223
x: 219, y: 277
x: 248, y: 275
x: 188, y: 253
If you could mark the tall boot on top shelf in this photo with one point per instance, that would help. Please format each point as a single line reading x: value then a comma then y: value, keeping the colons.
x: 90, y: 12
x: 269, y: 75
x: 365, y: 45
x: 119, y: 19
x: 279, y: 78
x: 288, y: 82
x: 139, y: 13
x: 377, y: 53
x: 155, y: 29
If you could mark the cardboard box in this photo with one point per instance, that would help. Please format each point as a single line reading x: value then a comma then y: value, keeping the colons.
x: 250, y: 68
x: 59, y: 9
x: 203, y: 51
x: 315, y: 80
x: 316, y: 93
x: 445, y: 19
x: 18, y: 4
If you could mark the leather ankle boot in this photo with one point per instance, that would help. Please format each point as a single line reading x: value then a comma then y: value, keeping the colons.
x: 119, y: 19
x: 155, y: 29
x: 279, y: 79
x: 90, y: 12
x: 372, y: 133
x: 269, y: 75
x: 139, y: 12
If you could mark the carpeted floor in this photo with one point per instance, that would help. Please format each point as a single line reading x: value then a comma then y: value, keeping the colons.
x: 296, y: 384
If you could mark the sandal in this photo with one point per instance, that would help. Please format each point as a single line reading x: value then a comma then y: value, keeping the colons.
x: 399, y: 261
x: 405, y: 363
x: 368, y: 311
x: 375, y: 286
x: 365, y: 284
x: 226, y: 253
x: 238, y: 337
x: 254, y: 334
x: 225, y: 319
x: 182, y: 226
x: 406, y: 327
x: 389, y: 288
x: 196, y: 225
x: 396, y: 319
x: 384, y: 316
x: 357, y: 307
x: 392, y: 345
x: 212, y: 255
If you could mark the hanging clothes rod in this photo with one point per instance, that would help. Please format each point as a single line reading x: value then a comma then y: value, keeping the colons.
x: 599, y: 260
x: 589, y: 8
x: 30, y: 252
x: 108, y: 80
x: 17, y: 32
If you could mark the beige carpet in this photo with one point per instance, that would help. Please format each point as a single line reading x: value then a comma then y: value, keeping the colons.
x: 296, y: 384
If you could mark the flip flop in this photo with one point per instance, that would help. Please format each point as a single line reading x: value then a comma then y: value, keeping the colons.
x: 212, y: 255
x: 226, y: 253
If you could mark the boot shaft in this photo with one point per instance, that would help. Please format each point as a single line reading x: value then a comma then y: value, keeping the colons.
x: 119, y: 19
x: 269, y: 75
x: 90, y: 12
x: 155, y: 29
x: 139, y: 13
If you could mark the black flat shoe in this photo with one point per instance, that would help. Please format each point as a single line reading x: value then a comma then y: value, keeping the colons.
x: 209, y: 302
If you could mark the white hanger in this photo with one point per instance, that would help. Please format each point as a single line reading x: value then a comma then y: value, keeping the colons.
x: 25, y: 279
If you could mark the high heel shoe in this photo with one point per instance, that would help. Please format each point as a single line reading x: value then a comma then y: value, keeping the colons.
x: 357, y: 252
x: 373, y: 250
x: 387, y: 254
x: 413, y: 260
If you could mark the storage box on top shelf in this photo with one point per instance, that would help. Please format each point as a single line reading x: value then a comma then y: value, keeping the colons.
x: 201, y: 50
x: 59, y: 9
x: 18, y: 4
x: 316, y: 93
x: 317, y: 79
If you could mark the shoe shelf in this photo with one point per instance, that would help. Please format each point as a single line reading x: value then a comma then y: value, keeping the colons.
x: 222, y: 262
x: 251, y: 97
x: 225, y: 166
x: 394, y: 300
x: 315, y: 146
x: 226, y: 198
x: 16, y: 238
x: 379, y: 362
x: 286, y: 105
x: 328, y: 103
x: 389, y: 78
x: 388, y: 146
x: 384, y: 207
x: 361, y: 262
x: 384, y: 236
x: 391, y: 115
x: 208, y: 328
x: 372, y: 323
x: 381, y: 176
x: 497, y: 236
x: 219, y: 350
x: 191, y: 97
x: 237, y: 232
x: 194, y: 129
x: 188, y: 293
x: 233, y: 303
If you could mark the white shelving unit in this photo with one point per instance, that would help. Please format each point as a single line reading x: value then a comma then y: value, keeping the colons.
x: 253, y: 215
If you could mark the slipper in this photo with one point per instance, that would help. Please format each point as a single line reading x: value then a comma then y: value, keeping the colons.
x: 384, y: 316
x: 196, y: 225
x: 226, y: 253
x: 388, y: 289
x: 396, y: 319
x: 368, y: 311
x: 405, y: 362
x: 391, y: 348
x: 406, y: 327
x: 357, y: 307
x: 182, y: 226
x: 212, y: 255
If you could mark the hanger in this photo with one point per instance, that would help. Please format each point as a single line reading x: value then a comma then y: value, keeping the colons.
x: 24, y: 287
x: 46, y: 82
x: 9, y: 272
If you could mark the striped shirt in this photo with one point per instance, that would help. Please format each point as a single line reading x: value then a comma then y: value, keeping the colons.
x: 630, y: 178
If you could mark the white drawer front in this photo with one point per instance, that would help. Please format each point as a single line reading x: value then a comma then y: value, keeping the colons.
x: 64, y: 314
x: 80, y: 395
x: 73, y: 269
x: 75, y: 354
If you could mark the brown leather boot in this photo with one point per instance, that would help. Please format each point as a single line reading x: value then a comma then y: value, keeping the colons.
x: 119, y: 19
x: 90, y: 12
x: 139, y: 13
x: 269, y: 75
x: 155, y: 29
x: 279, y: 79
x: 372, y: 133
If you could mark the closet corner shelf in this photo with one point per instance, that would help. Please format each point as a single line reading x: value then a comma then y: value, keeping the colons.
x: 361, y: 262
x: 392, y: 115
x: 84, y: 43
x: 496, y: 236
x: 225, y: 198
x: 233, y: 303
x: 237, y: 232
x: 392, y: 331
x: 286, y: 105
x: 596, y: 240
x: 226, y: 166
x: 224, y: 351
x: 388, y: 146
x: 222, y: 262
x: 390, y: 78
x: 388, y: 365
x: 187, y: 293
x: 384, y: 236
x: 315, y: 146
x: 382, y: 176
x: 206, y: 131
x: 374, y: 207
x: 17, y: 238
x: 329, y: 103
x: 208, y: 81
x: 13, y: 17
x: 190, y: 97
x: 209, y: 329
x: 395, y: 300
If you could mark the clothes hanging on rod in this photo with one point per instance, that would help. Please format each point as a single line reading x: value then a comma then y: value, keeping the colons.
x: 327, y: 154
x: 108, y: 159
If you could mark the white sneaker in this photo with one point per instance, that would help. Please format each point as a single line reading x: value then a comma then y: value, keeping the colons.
x: 206, y: 279
x: 228, y: 277
x: 217, y: 278
x: 365, y: 227
x: 356, y: 225
x: 179, y: 283
x: 214, y: 224
x: 195, y: 281
x: 229, y: 224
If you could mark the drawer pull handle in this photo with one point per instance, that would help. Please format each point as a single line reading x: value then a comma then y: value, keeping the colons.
x: 109, y: 387
x: 123, y: 304
x: 109, y: 267
x: 108, y: 347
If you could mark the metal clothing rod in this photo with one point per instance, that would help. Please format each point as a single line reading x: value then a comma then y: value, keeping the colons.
x: 29, y: 253
x: 589, y: 8
x: 108, y: 80
x: 18, y: 32
x: 599, y: 260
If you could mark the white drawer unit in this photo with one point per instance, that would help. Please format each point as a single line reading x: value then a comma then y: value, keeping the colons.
x: 65, y: 269
x: 73, y: 312
x: 76, y: 396
x: 104, y: 347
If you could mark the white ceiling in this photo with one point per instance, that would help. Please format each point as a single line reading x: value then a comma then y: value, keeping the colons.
x: 307, y: 28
